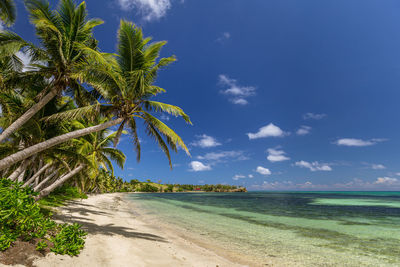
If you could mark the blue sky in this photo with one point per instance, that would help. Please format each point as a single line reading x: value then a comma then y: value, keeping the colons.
x: 283, y: 95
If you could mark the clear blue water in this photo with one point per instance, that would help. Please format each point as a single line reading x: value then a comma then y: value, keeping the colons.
x: 290, y: 228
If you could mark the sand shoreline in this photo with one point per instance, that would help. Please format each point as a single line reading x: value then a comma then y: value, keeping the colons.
x: 118, y: 237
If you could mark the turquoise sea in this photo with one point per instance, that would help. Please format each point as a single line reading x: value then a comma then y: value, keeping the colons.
x: 289, y: 228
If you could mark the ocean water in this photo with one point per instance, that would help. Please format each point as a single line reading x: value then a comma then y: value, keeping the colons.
x: 289, y: 228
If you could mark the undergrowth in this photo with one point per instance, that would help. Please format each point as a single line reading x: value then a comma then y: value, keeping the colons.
x: 22, y: 218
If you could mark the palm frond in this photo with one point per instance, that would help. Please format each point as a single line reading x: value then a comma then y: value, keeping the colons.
x: 170, y: 109
x: 165, y: 130
x: 74, y: 113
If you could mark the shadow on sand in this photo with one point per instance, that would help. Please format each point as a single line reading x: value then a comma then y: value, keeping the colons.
x: 92, y: 228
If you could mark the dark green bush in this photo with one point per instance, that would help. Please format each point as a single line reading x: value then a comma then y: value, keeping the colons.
x: 22, y: 218
x: 147, y: 188
x: 41, y: 245
x: 70, y: 240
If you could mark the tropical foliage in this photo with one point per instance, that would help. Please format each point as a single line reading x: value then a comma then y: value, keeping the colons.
x: 56, y: 112
x: 21, y: 218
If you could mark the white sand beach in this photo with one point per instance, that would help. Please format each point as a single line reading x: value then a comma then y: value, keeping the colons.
x: 118, y: 237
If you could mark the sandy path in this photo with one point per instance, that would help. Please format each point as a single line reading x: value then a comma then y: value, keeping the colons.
x: 117, y: 237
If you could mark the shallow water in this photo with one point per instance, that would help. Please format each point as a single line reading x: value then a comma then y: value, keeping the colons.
x: 291, y: 228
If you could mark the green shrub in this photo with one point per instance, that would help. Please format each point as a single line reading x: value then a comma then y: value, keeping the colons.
x: 41, y: 245
x: 70, y: 240
x: 6, y: 238
x: 22, y: 218
x: 147, y: 188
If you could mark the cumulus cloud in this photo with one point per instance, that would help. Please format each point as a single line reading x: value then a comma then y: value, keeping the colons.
x: 263, y: 171
x: 269, y: 130
x: 206, y: 141
x: 313, y: 166
x: 223, y: 156
x: 250, y: 175
x: 381, y: 183
x: 198, y: 166
x: 386, y: 181
x: 275, y: 155
x: 358, y: 142
x: 303, y: 130
x: 378, y: 166
x: 313, y: 116
x: 149, y: 9
x: 238, y: 176
x: 165, y: 117
x: 237, y: 94
x: 224, y: 37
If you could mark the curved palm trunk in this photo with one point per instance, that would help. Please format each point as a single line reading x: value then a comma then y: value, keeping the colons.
x: 32, y: 179
x: 45, y: 180
x: 21, y: 169
x: 27, y: 152
x: 27, y: 115
x: 59, y: 182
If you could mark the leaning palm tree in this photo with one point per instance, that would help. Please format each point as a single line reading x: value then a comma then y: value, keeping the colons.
x: 126, y: 92
x: 97, y: 146
x: 66, y: 41
x: 8, y: 12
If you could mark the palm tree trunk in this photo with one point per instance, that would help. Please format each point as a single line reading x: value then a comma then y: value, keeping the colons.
x: 45, y: 180
x: 21, y: 168
x: 27, y: 152
x: 20, y: 178
x: 32, y: 179
x: 59, y: 182
x: 27, y: 115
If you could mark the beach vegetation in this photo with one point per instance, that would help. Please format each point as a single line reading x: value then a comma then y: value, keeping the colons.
x: 69, y: 240
x: 57, y: 112
x: 21, y: 218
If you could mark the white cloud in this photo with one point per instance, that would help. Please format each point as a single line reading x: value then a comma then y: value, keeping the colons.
x: 239, y: 101
x: 165, y: 117
x: 237, y: 94
x: 313, y: 166
x: 382, y: 183
x: 26, y: 60
x: 198, y: 166
x: 250, y: 175
x: 206, y: 141
x: 275, y: 155
x: 269, y: 130
x: 223, y: 155
x: 378, y: 166
x: 150, y: 9
x: 238, y: 176
x: 313, y: 116
x: 303, y: 130
x: 224, y: 37
x: 358, y: 142
x: 263, y: 171
x: 386, y: 181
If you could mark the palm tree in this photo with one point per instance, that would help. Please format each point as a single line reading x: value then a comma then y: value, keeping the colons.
x: 97, y: 148
x: 8, y: 12
x: 126, y: 93
x: 67, y: 42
